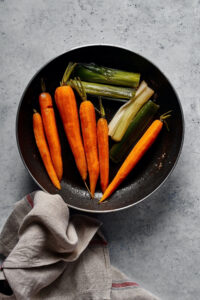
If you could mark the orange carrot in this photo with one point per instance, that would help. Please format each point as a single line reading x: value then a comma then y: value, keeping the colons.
x: 43, y: 148
x: 88, y: 126
x: 103, y: 148
x: 49, y: 122
x: 67, y: 107
x: 135, y: 155
x: 89, y: 131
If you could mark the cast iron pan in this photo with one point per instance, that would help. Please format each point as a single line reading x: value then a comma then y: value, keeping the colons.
x: 150, y: 172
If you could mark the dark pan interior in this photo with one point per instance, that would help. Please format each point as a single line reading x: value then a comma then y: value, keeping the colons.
x: 150, y: 172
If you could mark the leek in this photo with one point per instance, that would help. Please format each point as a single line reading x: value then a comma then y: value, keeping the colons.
x: 130, y: 112
x: 98, y: 89
x: 117, y: 117
x: 94, y: 73
x: 136, y: 128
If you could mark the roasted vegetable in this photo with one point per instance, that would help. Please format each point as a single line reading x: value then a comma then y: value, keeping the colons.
x: 89, y: 132
x: 106, y: 90
x: 114, y: 123
x: 67, y: 107
x: 130, y: 112
x: 94, y: 73
x: 136, y: 128
x: 51, y: 132
x: 103, y: 148
x: 43, y: 148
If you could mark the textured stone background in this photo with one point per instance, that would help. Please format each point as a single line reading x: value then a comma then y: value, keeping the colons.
x: 157, y: 242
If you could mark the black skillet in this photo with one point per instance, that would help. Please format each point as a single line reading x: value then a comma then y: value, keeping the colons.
x: 154, y: 167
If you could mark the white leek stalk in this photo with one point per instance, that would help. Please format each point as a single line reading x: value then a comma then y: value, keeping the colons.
x: 130, y: 112
x: 114, y: 123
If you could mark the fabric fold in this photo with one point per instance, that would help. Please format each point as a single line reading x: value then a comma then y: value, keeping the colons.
x: 46, y: 241
x: 46, y: 235
x: 50, y: 255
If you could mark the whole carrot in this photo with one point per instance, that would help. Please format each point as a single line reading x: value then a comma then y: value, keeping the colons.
x: 67, y: 107
x: 103, y: 148
x: 50, y: 128
x: 89, y: 132
x: 43, y: 148
x: 136, y: 154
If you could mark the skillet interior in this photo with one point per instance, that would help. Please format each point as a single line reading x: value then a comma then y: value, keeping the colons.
x: 150, y: 172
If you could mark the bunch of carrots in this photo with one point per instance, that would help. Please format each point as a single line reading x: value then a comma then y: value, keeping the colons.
x: 88, y: 140
x: 47, y: 139
x: 90, y: 150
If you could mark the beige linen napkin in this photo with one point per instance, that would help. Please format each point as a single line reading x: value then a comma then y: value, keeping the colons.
x: 51, y: 256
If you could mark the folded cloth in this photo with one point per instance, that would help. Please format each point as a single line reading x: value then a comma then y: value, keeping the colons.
x: 51, y: 256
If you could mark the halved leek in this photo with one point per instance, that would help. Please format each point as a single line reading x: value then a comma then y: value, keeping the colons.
x: 120, y: 150
x: 130, y: 113
x: 117, y: 117
x: 104, y: 90
x: 92, y: 72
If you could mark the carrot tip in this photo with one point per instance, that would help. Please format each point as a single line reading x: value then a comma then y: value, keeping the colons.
x: 92, y: 195
x: 101, y: 200
x: 58, y: 187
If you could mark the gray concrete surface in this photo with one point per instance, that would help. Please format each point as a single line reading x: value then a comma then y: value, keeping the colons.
x: 157, y: 242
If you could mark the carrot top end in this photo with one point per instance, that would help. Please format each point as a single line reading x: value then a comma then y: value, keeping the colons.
x: 102, y: 111
x: 164, y: 117
x: 77, y: 85
x: 71, y: 66
x: 43, y: 85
